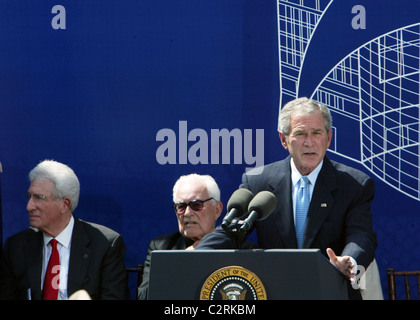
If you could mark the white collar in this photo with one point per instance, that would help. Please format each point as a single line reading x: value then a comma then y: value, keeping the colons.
x: 64, y: 237
x: 312, y: 176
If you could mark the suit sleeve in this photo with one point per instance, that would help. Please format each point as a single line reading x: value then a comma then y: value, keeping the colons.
x: 360, y: 237
x: 8, y: 287
x: 218, y: 239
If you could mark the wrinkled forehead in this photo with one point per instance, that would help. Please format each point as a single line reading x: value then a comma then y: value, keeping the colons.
x: 313, y: 120
x: 42, y: 186
x: 191, y: 190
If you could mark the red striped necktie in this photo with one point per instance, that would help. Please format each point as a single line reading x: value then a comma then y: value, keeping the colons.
x: 52, y: 275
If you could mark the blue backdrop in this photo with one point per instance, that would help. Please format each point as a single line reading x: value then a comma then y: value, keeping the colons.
x: 132, y: 94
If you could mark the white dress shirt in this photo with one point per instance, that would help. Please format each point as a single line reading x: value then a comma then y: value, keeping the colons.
x: 63, y: 246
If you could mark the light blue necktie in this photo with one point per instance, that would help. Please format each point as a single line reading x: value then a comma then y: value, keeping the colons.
x: 302, y: 206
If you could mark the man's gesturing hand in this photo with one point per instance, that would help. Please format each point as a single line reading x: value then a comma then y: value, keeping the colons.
x: 342, y: 263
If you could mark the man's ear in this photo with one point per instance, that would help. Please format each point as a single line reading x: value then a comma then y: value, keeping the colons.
x: 283, y: 140
x: 330, y: 133
x: 66, y: 204
x: 219, y: 209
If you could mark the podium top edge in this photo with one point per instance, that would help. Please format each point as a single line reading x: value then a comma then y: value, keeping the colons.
x: 239, y: 251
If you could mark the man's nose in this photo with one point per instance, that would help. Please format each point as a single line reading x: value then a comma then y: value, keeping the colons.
x: 188, y: 211
x: 30, y: 205
x: 309, y: 140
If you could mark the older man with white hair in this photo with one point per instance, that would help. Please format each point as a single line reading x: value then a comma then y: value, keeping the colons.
x: 197, y: 207
x: 60, y: 254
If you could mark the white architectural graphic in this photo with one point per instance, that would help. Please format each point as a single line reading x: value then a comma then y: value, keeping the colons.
x: 373, y: 92
x: 297, y: 21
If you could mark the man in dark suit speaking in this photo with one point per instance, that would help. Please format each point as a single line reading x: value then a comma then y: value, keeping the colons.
x: 320, y: 203
x: 60, y: 254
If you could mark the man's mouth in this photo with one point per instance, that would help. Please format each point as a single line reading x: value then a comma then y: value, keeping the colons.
x: 33, y: 216
x: 310, y: 154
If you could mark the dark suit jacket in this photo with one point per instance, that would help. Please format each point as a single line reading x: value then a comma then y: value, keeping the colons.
x: 339, y: 214
x: 96, y: 263
x: 174, y: 241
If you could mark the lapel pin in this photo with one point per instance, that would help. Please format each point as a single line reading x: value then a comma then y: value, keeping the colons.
x: 323, y: 205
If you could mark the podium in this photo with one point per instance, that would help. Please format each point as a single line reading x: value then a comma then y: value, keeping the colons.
x: 286, y: 274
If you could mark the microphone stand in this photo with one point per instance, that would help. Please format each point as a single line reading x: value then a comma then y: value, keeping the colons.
x: 236, y: 232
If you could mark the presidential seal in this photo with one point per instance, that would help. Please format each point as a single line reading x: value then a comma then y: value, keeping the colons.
x: 233, y: 283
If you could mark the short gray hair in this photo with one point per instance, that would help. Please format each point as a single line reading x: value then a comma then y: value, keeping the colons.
x: 211, y: 185
x: 302, y: 106
x: 65, y: 181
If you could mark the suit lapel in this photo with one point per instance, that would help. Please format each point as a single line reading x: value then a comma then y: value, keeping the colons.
x: 321, y: 203
x: 80, y: 254
x: 281, y: 184
x: 34, y: 252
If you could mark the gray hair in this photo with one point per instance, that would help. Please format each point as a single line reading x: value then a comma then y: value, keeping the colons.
x: 65, y: 181
x: 211, y: 185
x: 302, y: 106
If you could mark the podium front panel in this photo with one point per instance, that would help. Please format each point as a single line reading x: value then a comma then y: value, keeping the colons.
x: 284, y: 274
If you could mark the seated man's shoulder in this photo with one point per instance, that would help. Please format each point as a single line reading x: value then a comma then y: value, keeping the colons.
x: 166, y: 241
x: 24, y: 235
x: 99, y: 230
x: 167, y: 238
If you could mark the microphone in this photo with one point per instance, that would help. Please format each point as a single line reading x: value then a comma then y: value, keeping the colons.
x: 260, y: 208
x: 237, y: 206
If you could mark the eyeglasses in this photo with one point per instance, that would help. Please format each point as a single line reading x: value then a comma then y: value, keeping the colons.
x: 195, y: 205
x: 37, y: 197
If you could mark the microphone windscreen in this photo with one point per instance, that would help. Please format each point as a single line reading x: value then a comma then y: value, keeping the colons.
x: 264, y: 203
x: 240, y: 200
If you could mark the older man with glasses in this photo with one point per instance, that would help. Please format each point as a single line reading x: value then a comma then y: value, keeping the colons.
x: 197, y: 207
x: 60, y: 254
